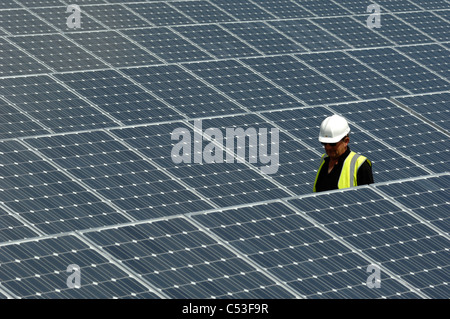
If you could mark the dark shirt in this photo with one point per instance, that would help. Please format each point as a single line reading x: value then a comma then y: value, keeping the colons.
x: 330, y: 181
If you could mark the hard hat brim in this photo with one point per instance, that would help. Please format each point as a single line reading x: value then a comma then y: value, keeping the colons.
x: 334, y: 139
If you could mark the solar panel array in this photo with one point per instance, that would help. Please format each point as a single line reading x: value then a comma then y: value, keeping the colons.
x: 87, y: 176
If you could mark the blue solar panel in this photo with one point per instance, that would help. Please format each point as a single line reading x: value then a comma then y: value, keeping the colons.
x: 166, y: 44
x: 433, y: 107
x: 37, y: 269
x: 116, y: 158
x: 110, y: 91
x: 52, y: 105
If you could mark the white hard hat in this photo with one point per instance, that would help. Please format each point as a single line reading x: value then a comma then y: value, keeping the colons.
x: 333, y: 129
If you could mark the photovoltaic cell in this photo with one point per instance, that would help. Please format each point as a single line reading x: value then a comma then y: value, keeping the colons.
x: 166, y: 44
x: 114, y: 49
x: 119, y: 175
x: 57, y: 16
x: 47, y: 198
x: 295, y: 77
x: 433, y: 107
x: 183, y: 91
x: 351, y: 74
x: 243, y: 10
x: 284, y: 9
x: 160, y: 14
x: 262, y: 37
x: 352, y: 32
x: 397, y: 6
x: 119, y: 97
x: 223, y: 183
x: 15, y: 123
x: 52, y: 105
x: 433, y: 56
x: 390, y: 236
x: 21, y: 21
x: 37, y: 269
x: 16, y: 62
x: 202, y: 11
x: 432, y: 4
x: 323, y: 8
x: 242, y: 85
x: 397, y: 31
x: 184, y: 262
x: 434, y: 26
x: 401, y: 70
x: 115, y: 16
x: 216, y: 41
x: 58, y: 53
x: 308, y: 35
x: 426, y: 198
x: 296, y: 251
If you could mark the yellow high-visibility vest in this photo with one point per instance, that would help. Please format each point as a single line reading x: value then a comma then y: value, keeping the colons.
x: 348, y: 177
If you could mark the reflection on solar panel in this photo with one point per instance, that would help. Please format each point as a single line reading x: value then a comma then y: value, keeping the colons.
x: 94, y: 202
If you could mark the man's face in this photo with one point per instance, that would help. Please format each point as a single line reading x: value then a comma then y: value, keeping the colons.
x: 337, y: 150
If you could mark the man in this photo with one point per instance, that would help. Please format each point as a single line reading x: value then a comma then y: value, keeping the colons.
x: 340, y: 167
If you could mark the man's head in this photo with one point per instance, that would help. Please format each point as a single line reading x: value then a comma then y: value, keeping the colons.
x: 333, y: 135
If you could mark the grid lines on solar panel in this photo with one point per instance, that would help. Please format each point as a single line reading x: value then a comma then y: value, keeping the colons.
x: 397, y: 31
x: 160, y: 13
x: 243, y: 85
x: 52, y: 105
x: 183, y: 262
x: 428, y: 23
x: 114, y: 16
x: 57, y: 52
x: 166, y: 44
x: 400, y: 131
x: 9, y: 4
x: 36, y: 269
x: 400, y: 69
x: 432, y: 4
x: 243, y: 10
x: 46, y: 197
x: 309, y: 35
x: 352, y: 32
x: 119, y: 97
x: 20, y: 21
x: 284, y: 9
x: 323, y: 8
x: 395, y: 240
x: 397, y: 5
x: 202, y: 11
x: 425, y: 197
x: 215, y: 40
x: 114, y: 48
x: 118, y: 174
x: 224, y: 184
x: 351, y: 74
x: 182, y: 90
x: 296, y: 164
x: 16, y: 62
x: 433, y: 56
x: 295, y: 77
x: 14, y: 123
x: 296, y: 251
x: 263, y: 38
x: 57, y: 16
x: 433, y: 107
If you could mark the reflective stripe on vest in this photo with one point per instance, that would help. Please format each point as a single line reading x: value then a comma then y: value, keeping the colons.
x: 348, y: 177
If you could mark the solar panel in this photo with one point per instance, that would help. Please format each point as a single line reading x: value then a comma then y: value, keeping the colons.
x: 168, y: 149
